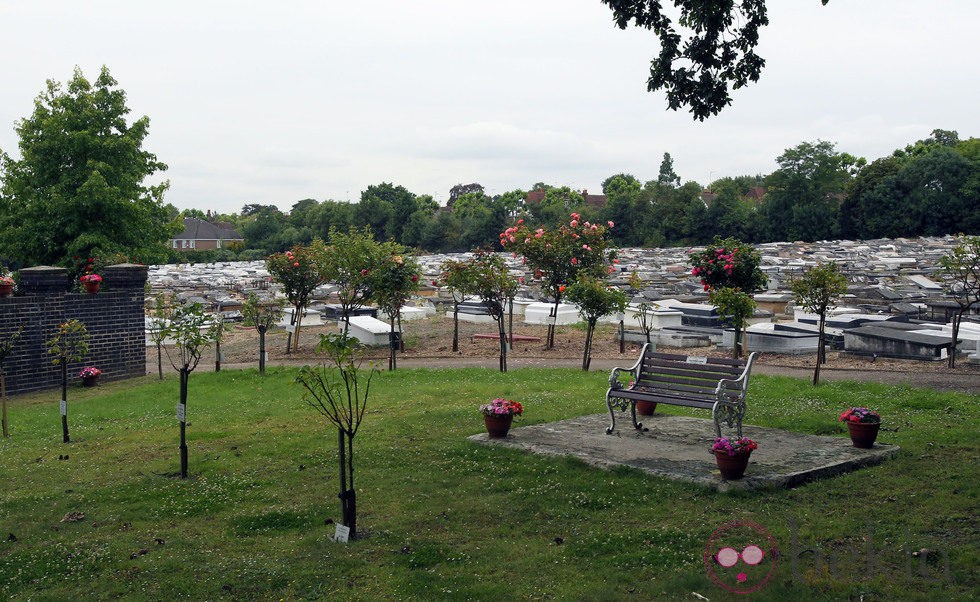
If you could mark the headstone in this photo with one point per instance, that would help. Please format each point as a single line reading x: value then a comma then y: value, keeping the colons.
x: 888, y: 341
x: 370, y: 331
x: 540, y: 313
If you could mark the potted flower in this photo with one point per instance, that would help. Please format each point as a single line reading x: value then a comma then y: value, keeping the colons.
x: 89, y: 375
x: 498, y: 415
x: 6, y: 286
x: 643, y: 407
x: 862, y: 424
x: 91, y: 282
x: 732, y: 456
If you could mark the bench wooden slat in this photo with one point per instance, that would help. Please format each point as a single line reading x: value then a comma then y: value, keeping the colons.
x: 677, y: 400
x: 705, y: 369
x: 653, y: 381
x: 718, y: 361
x: 688, y: 374
x: 678, y: 384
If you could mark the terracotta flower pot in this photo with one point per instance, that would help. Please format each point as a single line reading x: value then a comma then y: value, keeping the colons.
x: 6, y: 290
x: 646, y: 408
x: 92, y: 287
x: 732, y: 467
x: 863, y: 434
x: 497, y: 426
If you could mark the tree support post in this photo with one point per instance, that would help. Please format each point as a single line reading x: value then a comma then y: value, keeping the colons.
x: 183, y: 423
x: 261, y: 330
x: 64, y: 400
x: 3, y: 398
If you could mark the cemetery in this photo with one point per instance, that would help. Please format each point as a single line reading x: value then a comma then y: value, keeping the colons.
x: 435, y: 491
x: 514, y: 392
x: 889, y: 281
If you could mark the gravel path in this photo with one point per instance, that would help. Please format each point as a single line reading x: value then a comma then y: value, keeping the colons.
x: 966, y: 380
x: 428, y: 345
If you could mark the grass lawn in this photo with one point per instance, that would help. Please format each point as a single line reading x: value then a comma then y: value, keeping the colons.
x: 444, y: 518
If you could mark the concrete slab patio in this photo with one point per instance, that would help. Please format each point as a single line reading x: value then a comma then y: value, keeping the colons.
x: 677, y: 447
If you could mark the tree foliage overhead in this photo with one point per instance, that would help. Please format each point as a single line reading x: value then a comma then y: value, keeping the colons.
x: 705, y: 51
x: 78, y: 188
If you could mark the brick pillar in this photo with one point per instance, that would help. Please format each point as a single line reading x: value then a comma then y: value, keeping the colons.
x: 42, y: 280
x: 125, y: 276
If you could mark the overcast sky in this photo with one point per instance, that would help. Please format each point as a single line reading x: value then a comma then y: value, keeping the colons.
x: 274, y: 102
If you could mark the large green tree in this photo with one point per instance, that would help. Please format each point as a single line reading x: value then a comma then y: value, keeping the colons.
x: 928, y: 188
x: 78, y: 187
x: 805, y: 193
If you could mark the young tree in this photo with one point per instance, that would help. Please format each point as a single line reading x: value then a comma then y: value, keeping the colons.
x: 192, y: 330
x: 162, y: 311
x: 594, y: 299
x: 394, y: 281
x: 643, y: 317
x: 340, y: 394
x: 69, y: 344
x: 559, y: 256
x: 490, y: 280
x: 7, y: 343
x: 818, y: 288
x: 734, y: 306
x: 79, y: 184
x: 262, y: 314
x: 299, y: 271
x: 961, y: 268
x: 728, y: 263
x: 455, y: 277
x: 348, y: 263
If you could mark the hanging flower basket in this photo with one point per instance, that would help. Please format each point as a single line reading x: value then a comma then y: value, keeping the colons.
x: 91, y: 282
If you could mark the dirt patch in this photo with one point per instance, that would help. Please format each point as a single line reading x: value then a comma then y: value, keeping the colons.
x: 432, y: 339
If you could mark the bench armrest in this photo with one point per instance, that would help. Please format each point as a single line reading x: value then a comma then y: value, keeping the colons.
x: 742, y: 381
x: 634, y: 370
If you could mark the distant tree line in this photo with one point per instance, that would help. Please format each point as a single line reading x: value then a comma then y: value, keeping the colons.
x: 928, y: 188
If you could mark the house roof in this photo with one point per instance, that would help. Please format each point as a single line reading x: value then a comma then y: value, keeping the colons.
x: 199, y: 229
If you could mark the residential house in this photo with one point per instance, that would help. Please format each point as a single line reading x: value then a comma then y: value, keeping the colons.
x: 199, y: 235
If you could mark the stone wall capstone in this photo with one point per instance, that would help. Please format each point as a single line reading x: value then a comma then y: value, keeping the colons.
x: 114, y: 318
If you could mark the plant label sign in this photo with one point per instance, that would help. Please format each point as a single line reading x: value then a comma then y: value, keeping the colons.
x: 341, y: 533
x: 265, y: 357
x: 181, y: 412
x: 551, y: 320
x: 290, y: 328
x: 694, y: 359
x: 63, y: 406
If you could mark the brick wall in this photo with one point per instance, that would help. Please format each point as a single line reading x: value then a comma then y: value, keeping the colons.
x: 113, y: 317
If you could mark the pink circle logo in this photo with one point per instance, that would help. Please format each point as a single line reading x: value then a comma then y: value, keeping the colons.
x: 741, y: 557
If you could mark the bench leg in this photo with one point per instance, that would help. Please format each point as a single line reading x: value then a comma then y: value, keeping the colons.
x: 730, y: 414
x: 638, y: 426
x: 612, y: 417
